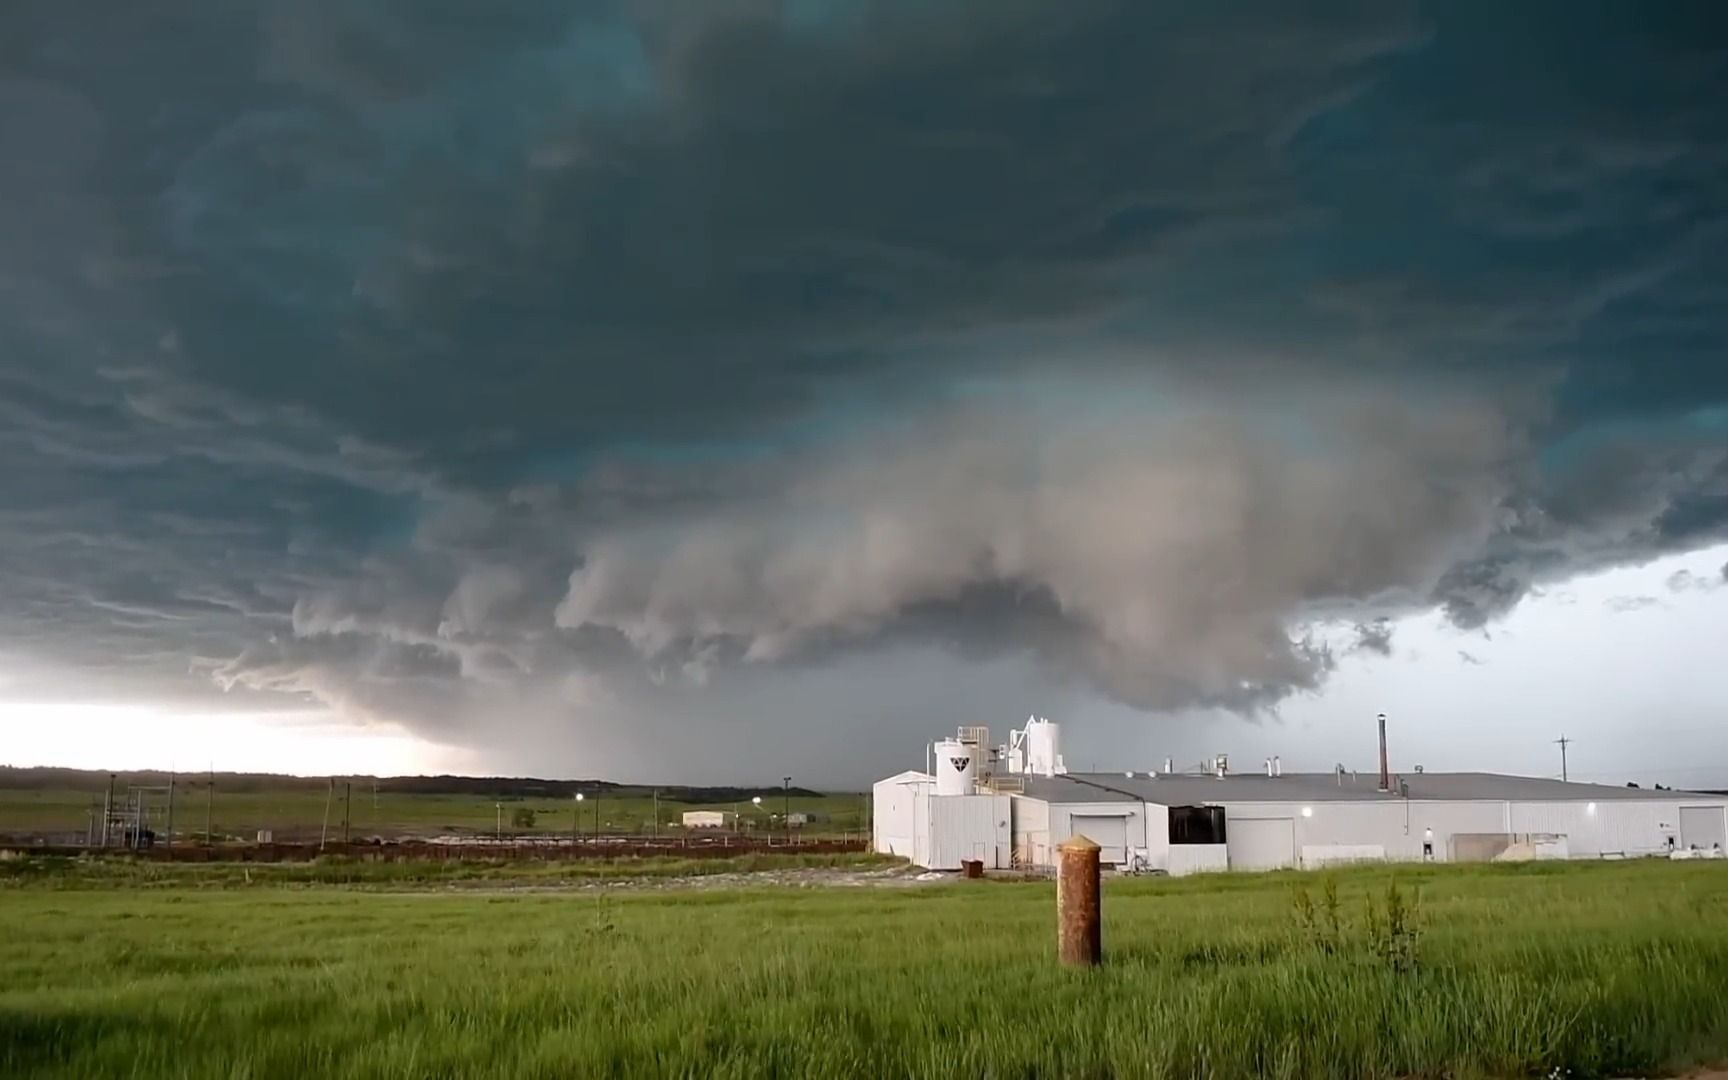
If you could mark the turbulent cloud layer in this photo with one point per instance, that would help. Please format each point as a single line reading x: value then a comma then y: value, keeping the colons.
x: 590, y: 362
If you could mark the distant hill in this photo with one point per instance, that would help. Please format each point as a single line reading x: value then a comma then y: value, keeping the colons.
x: 95, y: 781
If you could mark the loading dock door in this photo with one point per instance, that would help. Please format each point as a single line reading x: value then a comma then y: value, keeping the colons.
x: 1702, y: 826
x: 1260, y: 843
x: 1109, y: 833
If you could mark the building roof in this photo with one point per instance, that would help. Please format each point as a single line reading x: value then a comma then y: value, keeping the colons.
x: 1188, y: 789
x: 910, y: 776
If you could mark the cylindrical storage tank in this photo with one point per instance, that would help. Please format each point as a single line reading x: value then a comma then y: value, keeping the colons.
x: 1041, y: 747
x: 956, y: 767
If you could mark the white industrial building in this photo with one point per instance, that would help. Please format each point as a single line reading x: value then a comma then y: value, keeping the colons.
x: 705, y: 819
x: 1009, y: 806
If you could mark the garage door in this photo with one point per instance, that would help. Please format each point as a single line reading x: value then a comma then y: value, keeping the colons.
x: 1702, y: 826
x: 1260, y: 843
x: 1109, y: 833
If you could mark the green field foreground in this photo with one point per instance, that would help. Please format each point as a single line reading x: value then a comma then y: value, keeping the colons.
x: 1546, y: 969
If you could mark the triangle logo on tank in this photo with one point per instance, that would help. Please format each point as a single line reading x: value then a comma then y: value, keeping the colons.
x: 959, y: 763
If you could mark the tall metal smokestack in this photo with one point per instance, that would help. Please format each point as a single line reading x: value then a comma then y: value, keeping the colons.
x: 1385, y: 772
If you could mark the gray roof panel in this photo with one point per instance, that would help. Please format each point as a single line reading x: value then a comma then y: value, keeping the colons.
x: 1187, y: 789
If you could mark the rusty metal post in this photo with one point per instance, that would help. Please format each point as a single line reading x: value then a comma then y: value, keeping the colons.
x: 1079, y: 938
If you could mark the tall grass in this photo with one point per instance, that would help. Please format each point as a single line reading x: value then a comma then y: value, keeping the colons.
x: 1595, y: 970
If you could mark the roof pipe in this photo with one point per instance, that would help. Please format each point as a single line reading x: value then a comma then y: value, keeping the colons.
x: 1385, y: 771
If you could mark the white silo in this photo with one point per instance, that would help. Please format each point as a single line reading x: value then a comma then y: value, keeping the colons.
x: 956, y: 767
x: 1043, y: 756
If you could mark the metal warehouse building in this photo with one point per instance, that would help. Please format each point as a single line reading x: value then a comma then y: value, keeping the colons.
x: 968, y: 807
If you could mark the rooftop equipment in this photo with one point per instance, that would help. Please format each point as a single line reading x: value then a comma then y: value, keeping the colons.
x: 985, y: 758
x: 1385, y: 771
x: 1034, y: 749
x: 956, y: 767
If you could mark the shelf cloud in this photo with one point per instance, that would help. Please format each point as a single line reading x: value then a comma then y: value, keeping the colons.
x: 612, y: 367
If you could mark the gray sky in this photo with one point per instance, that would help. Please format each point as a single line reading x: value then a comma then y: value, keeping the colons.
x: 718, y: 391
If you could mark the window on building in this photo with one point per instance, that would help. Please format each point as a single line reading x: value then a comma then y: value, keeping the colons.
x: 1196, y: 824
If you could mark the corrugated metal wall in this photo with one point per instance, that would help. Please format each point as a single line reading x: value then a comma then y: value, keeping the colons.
x: 895, y: 817
x: 1065, y: 821
x: 1031, y: 825
x: 1614, y: 827
x: 969, y: 827
x: 1399, y: 827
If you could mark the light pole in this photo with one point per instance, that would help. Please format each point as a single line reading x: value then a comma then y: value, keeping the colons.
x: 575, y: 818
x: 756, y: 801
x: 500, y: 808
x: 786, y: 808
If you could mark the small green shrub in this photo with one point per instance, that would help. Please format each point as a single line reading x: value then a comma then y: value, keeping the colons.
x: 1389, y: 931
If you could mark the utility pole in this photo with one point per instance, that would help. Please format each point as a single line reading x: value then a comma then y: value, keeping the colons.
x: 347, y: 808
x: 1563, y: 741
x: 169, y: 827
x: 786, y: 807
x: 499, y: 832
x: 656, y: 813
x: 107, y: 809
x: 324, y: 829
x: 209, y: 807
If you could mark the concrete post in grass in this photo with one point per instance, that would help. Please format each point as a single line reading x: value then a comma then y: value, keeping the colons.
x: 1079, y: 937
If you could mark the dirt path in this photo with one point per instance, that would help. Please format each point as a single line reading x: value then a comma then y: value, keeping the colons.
x: 802, y: 878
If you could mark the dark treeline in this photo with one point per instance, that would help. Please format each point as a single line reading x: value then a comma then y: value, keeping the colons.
x: 94, y: 780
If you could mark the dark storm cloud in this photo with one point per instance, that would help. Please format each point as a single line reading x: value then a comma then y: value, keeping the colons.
x: 1374, y: 637
x: 453, y: 370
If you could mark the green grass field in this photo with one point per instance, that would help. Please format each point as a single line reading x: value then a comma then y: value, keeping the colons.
x: 298, y: 812
x: 1546, y: 969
